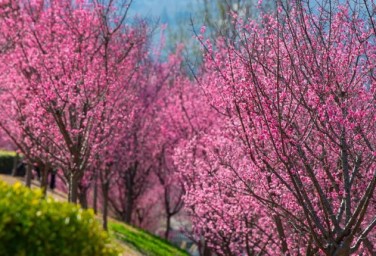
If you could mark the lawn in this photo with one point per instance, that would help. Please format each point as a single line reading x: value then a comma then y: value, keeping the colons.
x: 144, y: 242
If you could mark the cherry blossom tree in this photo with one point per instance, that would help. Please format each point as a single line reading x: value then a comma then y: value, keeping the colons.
x: 68, y: 63
x: 294, y: 141
x: 171, y: 126
x: 134, y: 157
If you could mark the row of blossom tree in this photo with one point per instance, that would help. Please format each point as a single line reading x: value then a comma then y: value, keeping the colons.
x: 289, y: 165
x: 80, y: 93
x: 272, y: 143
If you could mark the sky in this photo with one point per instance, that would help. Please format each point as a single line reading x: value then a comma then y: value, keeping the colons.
x: 168, y: 11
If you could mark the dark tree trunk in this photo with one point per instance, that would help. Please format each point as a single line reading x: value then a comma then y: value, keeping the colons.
x: 343, y: 250
x: 83, y: 198
x: 15, y: 164
x: 44, y: 179
x: 28, y: 176
x: 129, y: 208
x: 72, y: 189
x: 281, y: 234
x: 369, y: 246
x: 53, y: 180
x: 168, y: 226
x: 129, y: 181
x: 95, y: 194
x: 105, y: 189
x: 206, y: 250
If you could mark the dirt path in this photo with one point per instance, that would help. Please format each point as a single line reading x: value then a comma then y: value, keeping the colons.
x: 34, y: 184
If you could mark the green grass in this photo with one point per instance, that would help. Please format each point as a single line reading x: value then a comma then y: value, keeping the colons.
x: 146, y: 243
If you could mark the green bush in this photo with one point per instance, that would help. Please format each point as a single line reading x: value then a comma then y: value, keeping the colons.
x: 6, y: 161
x: 32, y: 225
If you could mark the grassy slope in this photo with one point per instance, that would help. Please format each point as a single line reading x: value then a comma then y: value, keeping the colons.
x: 144, y: 242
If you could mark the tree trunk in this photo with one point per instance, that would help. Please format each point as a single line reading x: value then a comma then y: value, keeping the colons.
x: 44, y: 180
x: 369, y: 246
x: 281, y: 235
x: 129, y: 208
x: 105, y: 189
x: 72, y: 189
x: 206, y: 250
x: 15, y: 164
x: 82, y: 195
x: 83, y: 198
x: 343, y: 250
x: 95, y: 194
x: 129, y: 184
x: 28, y: 176
x: 168, y: 226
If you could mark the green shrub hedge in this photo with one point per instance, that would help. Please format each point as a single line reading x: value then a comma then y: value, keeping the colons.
x: 6, y: 161
x: 31, y: 225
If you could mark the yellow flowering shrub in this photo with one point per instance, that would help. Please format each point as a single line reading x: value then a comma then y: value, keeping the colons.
x: 31, y: 225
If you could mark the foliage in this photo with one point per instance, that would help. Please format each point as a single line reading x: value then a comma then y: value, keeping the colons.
x: 32, y: 225
x: 146, y: 243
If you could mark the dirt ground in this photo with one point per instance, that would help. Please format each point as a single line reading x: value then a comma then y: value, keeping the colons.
x: 34, y: 184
